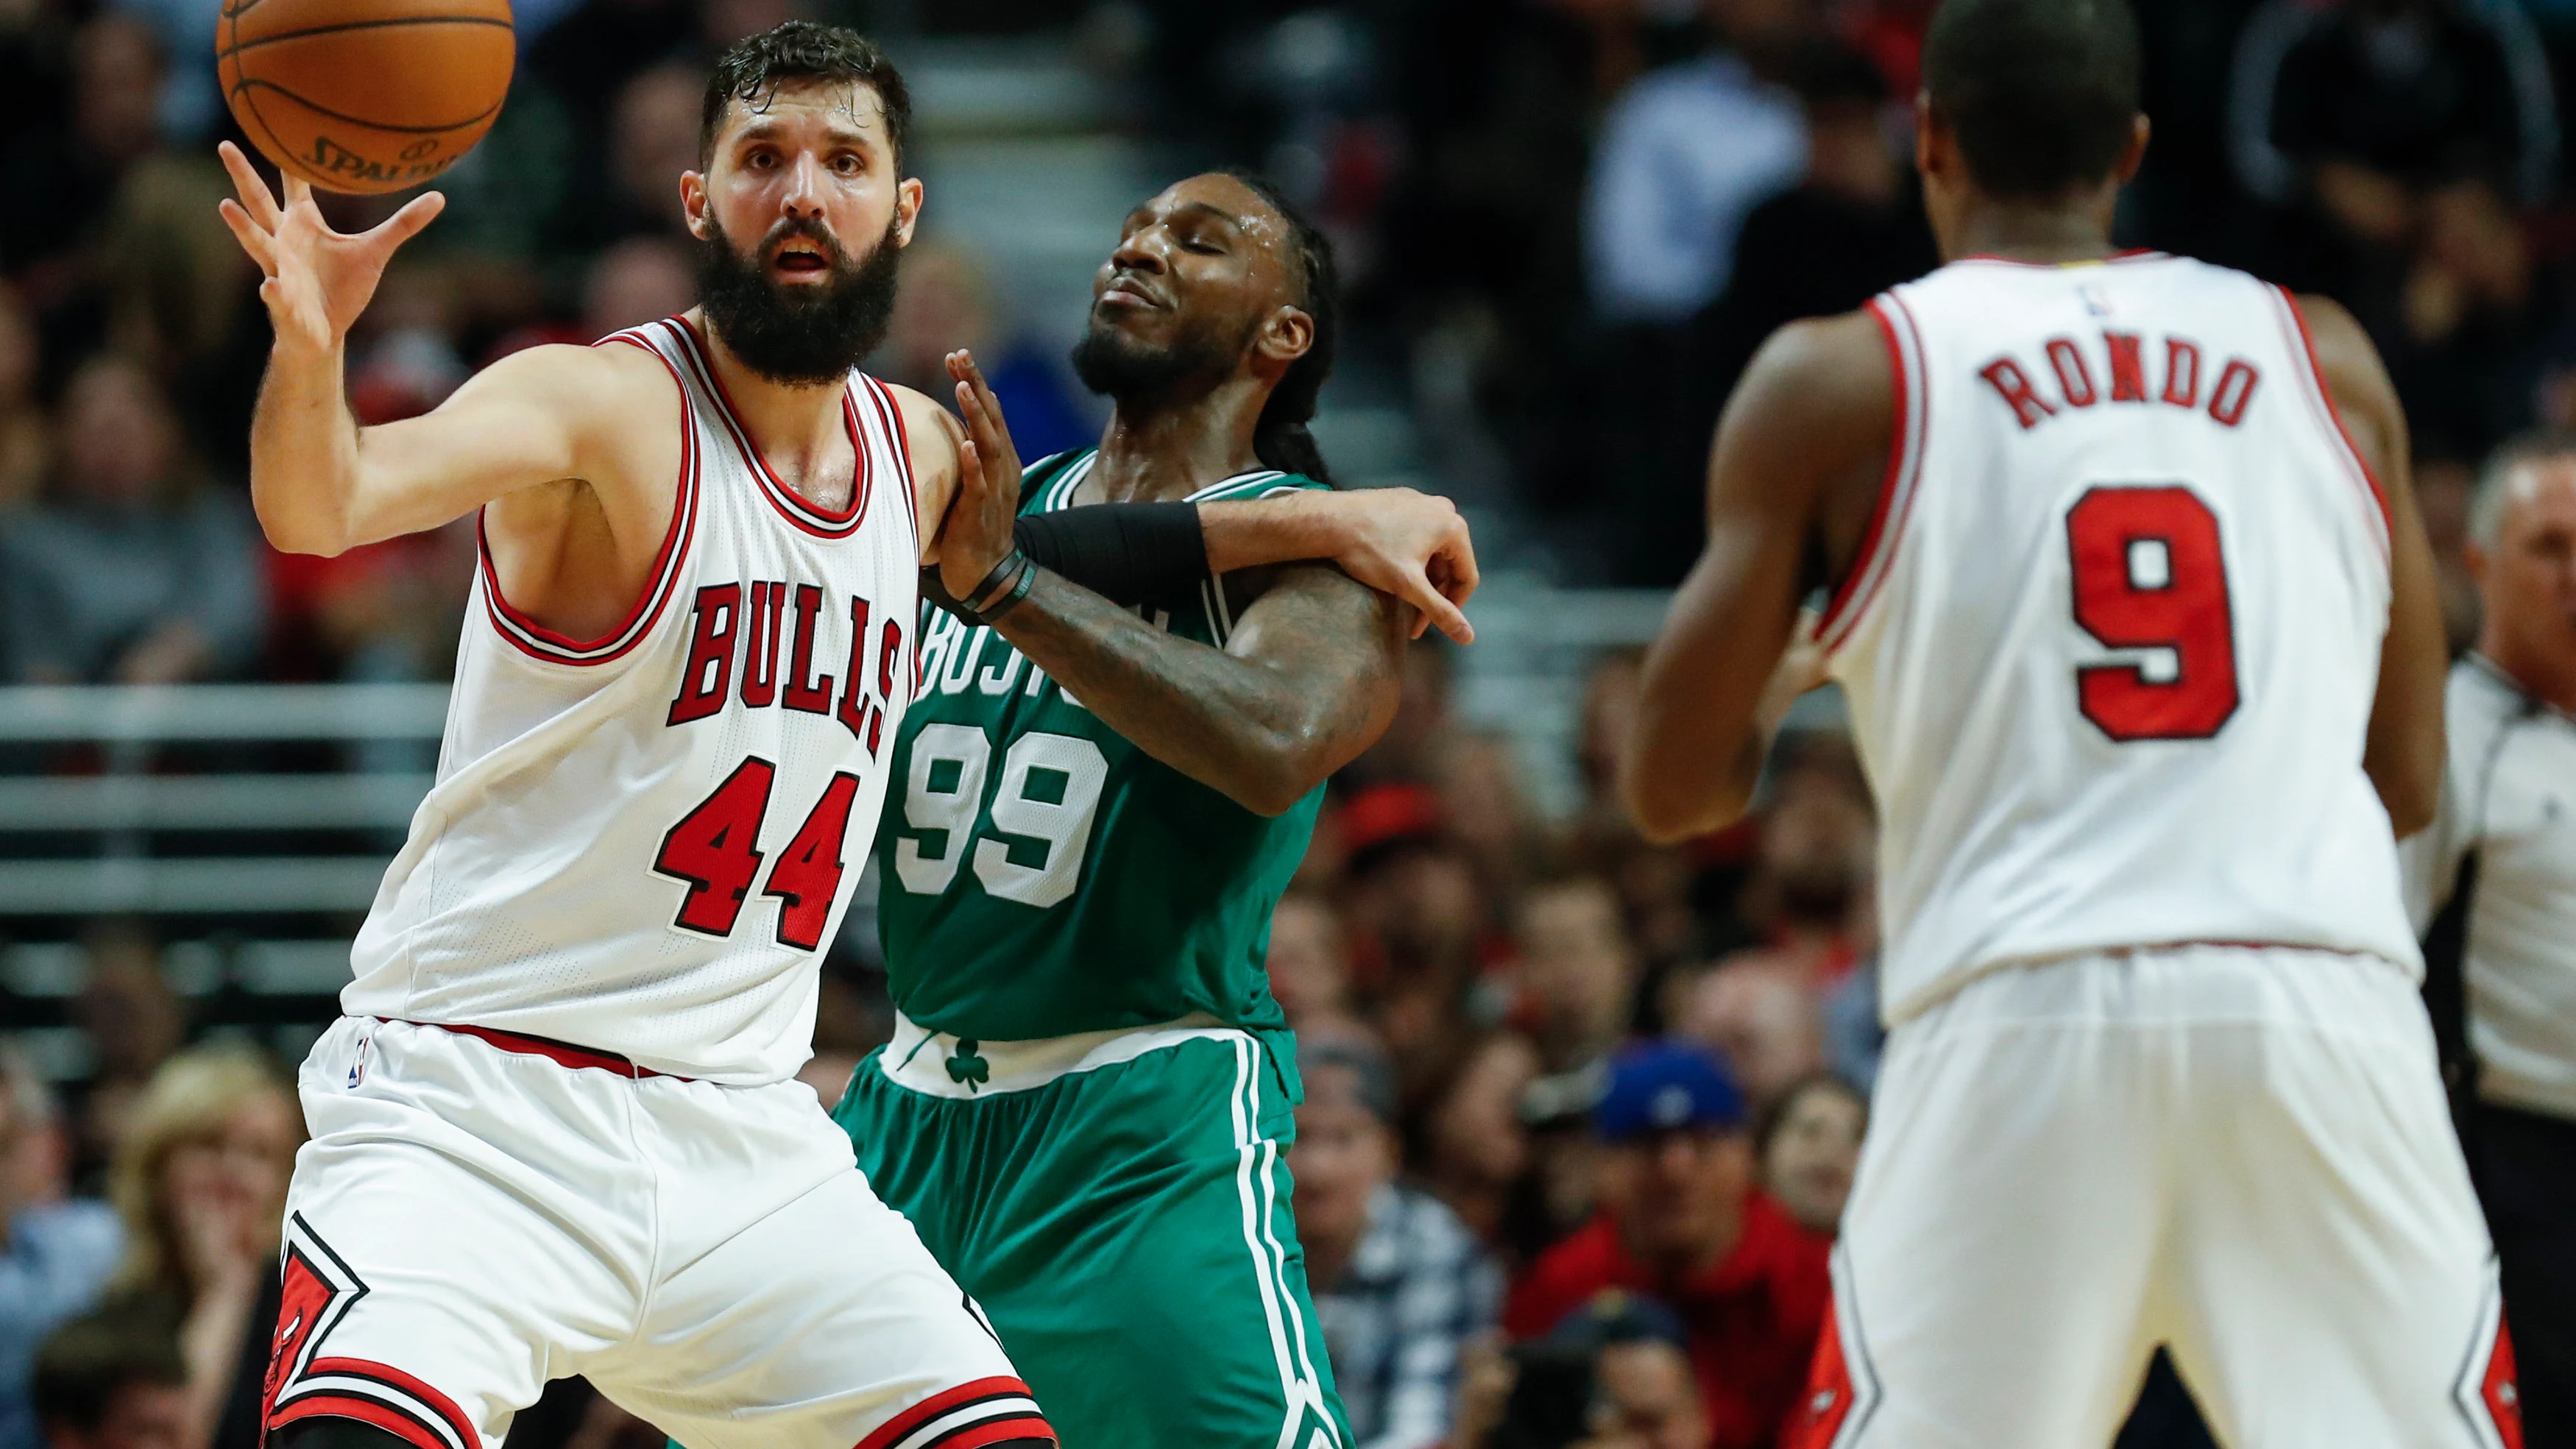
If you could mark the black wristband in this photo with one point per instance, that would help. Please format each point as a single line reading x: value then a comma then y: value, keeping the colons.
x: 1028, y: 580
x: 982, y: 595
x: 1128, y: 553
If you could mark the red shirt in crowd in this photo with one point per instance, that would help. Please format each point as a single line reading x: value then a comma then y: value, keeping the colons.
x: 1753, y: 1316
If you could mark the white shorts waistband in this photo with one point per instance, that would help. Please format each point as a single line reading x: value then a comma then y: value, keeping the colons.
x: 939, y: 1064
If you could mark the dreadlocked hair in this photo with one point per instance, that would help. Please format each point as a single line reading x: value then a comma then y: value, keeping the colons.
x: 1280, y: 438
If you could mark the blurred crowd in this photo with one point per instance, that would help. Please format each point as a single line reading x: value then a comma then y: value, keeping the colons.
x: 1581, y: 1113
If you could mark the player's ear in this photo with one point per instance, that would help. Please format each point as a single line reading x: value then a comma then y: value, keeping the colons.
x: 693, y: 202
x: 1287, y: 334
x: 2134, y: 154
x: 907, y: 209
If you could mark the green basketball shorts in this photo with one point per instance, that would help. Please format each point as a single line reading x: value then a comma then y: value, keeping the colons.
x: 1118, y: 1204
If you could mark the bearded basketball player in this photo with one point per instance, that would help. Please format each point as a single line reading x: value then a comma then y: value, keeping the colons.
x: 557, y: 1130
x: 2136, y: 619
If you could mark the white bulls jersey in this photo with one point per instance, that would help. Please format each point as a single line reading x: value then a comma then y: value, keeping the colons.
x: 2112, y: 640
x: 639, y: 843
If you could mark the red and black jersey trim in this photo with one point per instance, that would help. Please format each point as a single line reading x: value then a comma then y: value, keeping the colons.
x: 378, y: 1394
x: 2303, y: 349
x: 985, y: 1411
x: 898, y: 441
x: 561, y: 1053
x: 820, y: 522
x: 1869, y: 567
x: 539, y: 642
x: 2131, y: 254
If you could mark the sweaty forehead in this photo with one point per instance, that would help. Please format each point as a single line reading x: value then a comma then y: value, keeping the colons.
x: 850, y: 109
x: 1220, y: 198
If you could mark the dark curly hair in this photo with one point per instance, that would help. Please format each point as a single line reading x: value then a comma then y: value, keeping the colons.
x: 1280, y: 439
x: 753, y: 68
x: 2040, y: 92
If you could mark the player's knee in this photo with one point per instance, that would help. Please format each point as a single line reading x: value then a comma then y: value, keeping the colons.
x: 327, y: 1431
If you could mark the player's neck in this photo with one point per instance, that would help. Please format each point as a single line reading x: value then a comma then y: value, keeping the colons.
x: 801, y: 432
x: 1159, y: 452
x: 2551, y: 681
x: 2045, y: 233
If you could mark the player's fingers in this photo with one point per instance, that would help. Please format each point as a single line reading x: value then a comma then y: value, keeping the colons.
x: 405, y: 224
x: 259, y: 244
x: 256, y: 198
x: 299, y: 192
x: 1445, y: 616
x: 1459, y: 554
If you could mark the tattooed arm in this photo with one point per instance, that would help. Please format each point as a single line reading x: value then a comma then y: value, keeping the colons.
x: 1307, y: 681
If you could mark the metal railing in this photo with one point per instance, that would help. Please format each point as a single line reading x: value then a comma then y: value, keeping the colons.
x: 155, y: 801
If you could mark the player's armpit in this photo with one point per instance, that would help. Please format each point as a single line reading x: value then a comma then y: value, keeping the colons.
x: 1307, y: 681
x: 1794, y: 472
x: 2403, y: 752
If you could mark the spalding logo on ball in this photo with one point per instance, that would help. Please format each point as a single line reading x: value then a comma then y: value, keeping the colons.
x: 365, y: 95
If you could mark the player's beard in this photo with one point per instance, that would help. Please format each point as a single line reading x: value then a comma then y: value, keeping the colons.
x: 1128, y: 371
x: 800, y: 336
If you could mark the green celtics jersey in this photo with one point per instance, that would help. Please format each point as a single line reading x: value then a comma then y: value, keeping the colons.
x: 1040, y: 875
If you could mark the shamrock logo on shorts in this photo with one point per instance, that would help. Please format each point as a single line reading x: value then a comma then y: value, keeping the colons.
x: 965, y: 1066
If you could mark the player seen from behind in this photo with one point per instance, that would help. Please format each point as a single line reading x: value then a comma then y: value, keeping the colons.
x: 2137, y: 624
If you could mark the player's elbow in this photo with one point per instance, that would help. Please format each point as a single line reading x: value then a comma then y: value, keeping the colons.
x: 290, y: 531
x: 1672, y: 798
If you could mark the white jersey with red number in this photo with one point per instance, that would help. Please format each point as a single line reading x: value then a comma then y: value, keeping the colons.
x: 640, y: 843
x: 2112, y: 640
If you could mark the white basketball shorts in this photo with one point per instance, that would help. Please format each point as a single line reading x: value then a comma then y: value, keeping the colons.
x: 2241, y: 1152
x: 477, y: 1214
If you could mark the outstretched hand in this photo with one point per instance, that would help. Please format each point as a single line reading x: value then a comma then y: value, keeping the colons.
x: 976, y: 534
x: 317, y: 280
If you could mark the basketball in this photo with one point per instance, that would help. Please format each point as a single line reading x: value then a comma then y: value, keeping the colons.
x: 365, y: 95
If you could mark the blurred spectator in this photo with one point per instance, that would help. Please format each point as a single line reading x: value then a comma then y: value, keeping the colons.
x: 132, y: 572
x: 55, y: 1255
x: 651, y: 137
x: 113, y: 1380
x: 1417, y: 902
x: 1470, y: 1149
x: 1479, y: 784
x: 1616, y: 1374
x: 26, y: 434
x: 1808, y: 1145
x: 1809, y: 895
x: 946, y: 302
x: 2479, y: 322
x: 1310, y: 964
x: 1851, y: 229
x: 61, y: 182
x: 641, y: 279
x: 1685, y: 153
x: 133, y: 1021
x: 1761, y: 1016
x: 1400, y: 1285
x: 1681, y: 1219
x: 586, y: 57
x: 200, y: 1180
x: 1578, y: 972
x: 2346, y: 116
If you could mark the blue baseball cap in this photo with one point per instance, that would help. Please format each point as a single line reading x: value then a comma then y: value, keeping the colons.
x: 1667, y: 1086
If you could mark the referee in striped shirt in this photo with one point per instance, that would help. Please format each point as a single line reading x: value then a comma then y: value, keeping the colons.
x: 2493, y: 885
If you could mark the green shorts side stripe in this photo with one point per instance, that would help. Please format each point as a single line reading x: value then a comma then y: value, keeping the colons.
x: 1260, y: 1158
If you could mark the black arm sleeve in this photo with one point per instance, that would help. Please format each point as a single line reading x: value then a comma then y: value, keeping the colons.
x: 1128, y: 553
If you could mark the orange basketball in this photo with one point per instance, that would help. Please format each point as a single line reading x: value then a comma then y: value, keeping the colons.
x: 365, y: 95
